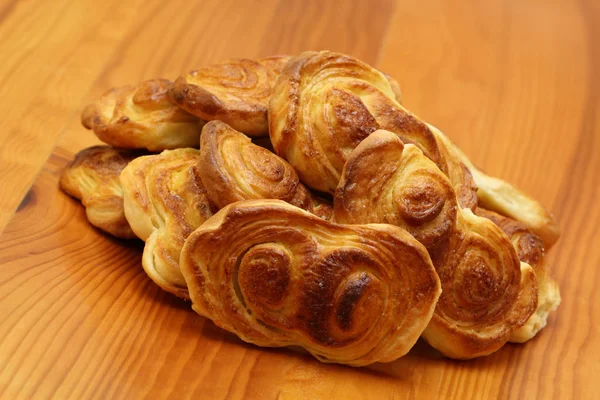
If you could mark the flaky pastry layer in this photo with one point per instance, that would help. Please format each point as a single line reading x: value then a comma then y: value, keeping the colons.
x: 276, y: 275
x: 142, y: 116
x: 234, y: 169
x: 164, y: 202
x: 93, y: 178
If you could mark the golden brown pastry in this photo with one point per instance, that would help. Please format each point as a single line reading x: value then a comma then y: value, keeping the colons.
x: 324, y: 104
x: 530, y: 249
x: 236, y: 92
x: 142, y: 116
x: 385, y: 181
x: 164, y: 202
x: 458, y: 173
x: 276, y: 275
x: 486, y: 293
x: 500, y: 196
x: 234, y: 169
x: 395, y: 87
x: 93, y: 178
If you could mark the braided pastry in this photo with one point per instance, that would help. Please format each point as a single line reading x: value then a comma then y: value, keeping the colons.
x: 164, y: 202
x: 236, y: 92
x: 276, y: 275
x: 324, y: 104
x: 93, y: 178
x: 235, y: 169
x: 530, y: 249
x: 486, y: 293
x: 497, y: 195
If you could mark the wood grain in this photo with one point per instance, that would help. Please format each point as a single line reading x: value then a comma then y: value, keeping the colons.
x: 512, y: 82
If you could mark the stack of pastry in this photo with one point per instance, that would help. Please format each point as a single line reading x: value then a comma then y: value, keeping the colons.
x: 295, y: 202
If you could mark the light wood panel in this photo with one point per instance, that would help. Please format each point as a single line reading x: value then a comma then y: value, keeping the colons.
x: 51, y: 53
x: 512, y: 82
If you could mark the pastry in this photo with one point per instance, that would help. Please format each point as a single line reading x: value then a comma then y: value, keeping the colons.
x: 530, y: 249
x: 276, y: 275
x: 497, y: 195
x: 142, y: 116
x: 234, y: 169
x: 236, y: 92
x: 395, y: 87
x: 164, y: 202
x: 486, y: 293
x: 324, y: 104
x: 385, y: 181
x: 93, y: 178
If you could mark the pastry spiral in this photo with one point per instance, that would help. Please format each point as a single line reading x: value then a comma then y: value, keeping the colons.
x: 324, y: 104
x: 276, y: 275
x: 236, y: 92
x: 93, y: 178
x: 164, y: 202
x: 497, y: 195
x: 530, y: 249
x: 142, y: 116
x: 486, y: 293
x: 234, y: 169
x: 385, y: 181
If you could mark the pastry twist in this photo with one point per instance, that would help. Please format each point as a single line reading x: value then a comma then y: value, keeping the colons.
x: 236, y: 92
x: 142, y: 116
x: 385, y: 181
x: 486, y: 292
x: 93, y: 178
x: 276, y: 275
x: 235, y: 169
x: 164, y: 202
x: 530, y: 249
x: 324, y: 104
x: 497, y: 195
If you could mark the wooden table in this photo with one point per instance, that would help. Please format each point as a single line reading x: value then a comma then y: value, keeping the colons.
x: 514, y: 83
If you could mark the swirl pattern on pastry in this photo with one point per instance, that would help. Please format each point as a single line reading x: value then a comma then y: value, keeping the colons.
x: 385, y: 181
x: 234, y: 169
x: 530, y: 249
x: 93, y: 178
x: 236, y: 92
x: 276, y: 275
x: 324, y: 104
x: 486, y: 293
x: 497, y: 195
x: 165, y: 202
x: 142, y: 116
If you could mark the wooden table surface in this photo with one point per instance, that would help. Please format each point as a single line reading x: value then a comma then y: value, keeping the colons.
x: 514, y: 82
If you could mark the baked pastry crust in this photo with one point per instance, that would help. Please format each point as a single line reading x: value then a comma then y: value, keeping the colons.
x: 93, y: 178
x: 236, y: 92
x: 395, y: 87
x: 530, y: 249
x: 142, y: 116
x: 234, y: 169
x: 164, y: 202
x: 324, y: 104
x: 486, y: 293
x: 276, y: 275
x: 385, y: 181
